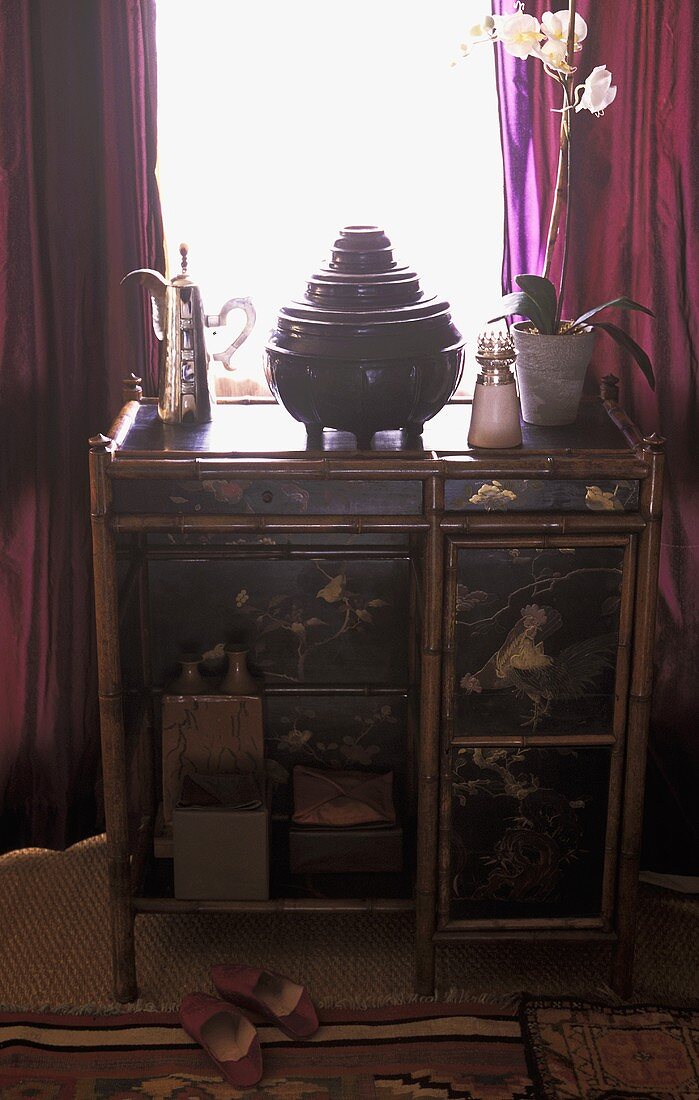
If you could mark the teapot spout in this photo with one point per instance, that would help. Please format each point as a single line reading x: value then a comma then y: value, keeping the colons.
x: 156, y: 285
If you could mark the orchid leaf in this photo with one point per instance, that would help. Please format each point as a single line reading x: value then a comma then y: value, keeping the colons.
x: 625, y: 341
x: 522, y: 305
x: 619, y: 303
x: 543, y: 292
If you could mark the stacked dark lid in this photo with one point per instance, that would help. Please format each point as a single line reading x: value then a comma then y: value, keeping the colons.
x: 363, y: 305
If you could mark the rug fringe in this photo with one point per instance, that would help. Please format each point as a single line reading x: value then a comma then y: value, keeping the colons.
x: 109, y: 1009
x: 453, y: 995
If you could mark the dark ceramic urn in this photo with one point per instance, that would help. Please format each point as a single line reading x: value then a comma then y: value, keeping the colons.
x: 364, y: 350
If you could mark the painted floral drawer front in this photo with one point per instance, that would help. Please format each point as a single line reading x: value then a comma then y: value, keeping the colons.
x: 271, y: 496
x: 338, y: 733
x: 527, y: 832
x: 308, y: 621
x: 536, y: 635
x: 541, y: 496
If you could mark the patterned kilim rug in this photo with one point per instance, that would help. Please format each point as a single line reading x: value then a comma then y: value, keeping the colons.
x: 432, y: 1051
x: 606, y: 1053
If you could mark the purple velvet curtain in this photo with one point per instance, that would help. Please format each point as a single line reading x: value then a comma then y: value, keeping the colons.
x: 78, y: 209
x: 634, y: 220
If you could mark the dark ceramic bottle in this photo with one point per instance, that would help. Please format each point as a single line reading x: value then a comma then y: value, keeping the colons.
x: 189, y: 680
x: 238, y: 679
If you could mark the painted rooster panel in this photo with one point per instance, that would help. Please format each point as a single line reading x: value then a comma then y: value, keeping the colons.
x: 536, y: 639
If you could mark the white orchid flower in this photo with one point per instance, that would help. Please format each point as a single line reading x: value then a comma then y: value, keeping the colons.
x: 520, y: 34
x: 597, y: 91
x: 555, y: 27
x: 553, y: 54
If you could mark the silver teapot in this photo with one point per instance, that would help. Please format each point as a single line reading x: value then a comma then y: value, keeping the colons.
x: 179, y: 321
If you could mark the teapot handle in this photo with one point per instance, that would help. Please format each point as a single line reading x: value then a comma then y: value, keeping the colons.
x: 217, y: 320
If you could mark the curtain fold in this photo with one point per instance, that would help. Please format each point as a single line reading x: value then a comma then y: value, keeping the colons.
x: 634, y: 219
x: 78, y: 209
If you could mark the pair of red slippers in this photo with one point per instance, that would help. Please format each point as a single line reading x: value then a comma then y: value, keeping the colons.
x: 227, y: 1036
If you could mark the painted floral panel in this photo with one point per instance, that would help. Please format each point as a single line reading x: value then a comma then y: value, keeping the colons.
x: 536, y: 639
x: 236, y: 496
x: 338, y: 733
x: 533, y: 495
x: 308, y: 621
x: 528, y: 832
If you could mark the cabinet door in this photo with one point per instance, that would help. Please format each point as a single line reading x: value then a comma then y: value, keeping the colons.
x: 536, y: 680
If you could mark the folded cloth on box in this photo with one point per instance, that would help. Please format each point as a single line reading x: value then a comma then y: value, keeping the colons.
x: 238, y: 792
x: 339, y: 798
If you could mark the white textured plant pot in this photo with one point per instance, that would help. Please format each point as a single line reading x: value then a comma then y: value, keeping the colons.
x: 550, y: 373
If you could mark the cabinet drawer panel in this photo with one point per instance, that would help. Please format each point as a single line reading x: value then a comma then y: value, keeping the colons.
x: 527, y: 833
x: 474, y: 495
x: 267, y: 496
x: 535, y: 640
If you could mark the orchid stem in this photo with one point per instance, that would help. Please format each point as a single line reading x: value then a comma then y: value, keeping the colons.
x: 564, y: 253
x: 559, y: 194
x: 562, y: 192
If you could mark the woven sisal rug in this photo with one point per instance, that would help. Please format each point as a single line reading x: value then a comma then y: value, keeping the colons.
x: 605, y: 1053
x: 439, y: 1051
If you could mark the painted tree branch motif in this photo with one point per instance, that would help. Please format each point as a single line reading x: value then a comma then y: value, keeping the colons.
x: 336, y: 610
x: 525, y: 862
x: 319, y: 733
x: 349, y: 750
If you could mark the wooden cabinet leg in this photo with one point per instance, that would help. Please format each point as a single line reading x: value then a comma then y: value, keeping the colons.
x: 424, y: 948
x: 428, y: 747
x: 122, y: 926
x: 622, y: 964
x: 638, y: 718
x: 112, y: 722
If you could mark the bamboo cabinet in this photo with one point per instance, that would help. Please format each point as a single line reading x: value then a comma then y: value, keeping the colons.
x: 479, y: 623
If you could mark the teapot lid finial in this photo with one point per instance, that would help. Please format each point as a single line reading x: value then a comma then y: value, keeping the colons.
x: 183, y: 279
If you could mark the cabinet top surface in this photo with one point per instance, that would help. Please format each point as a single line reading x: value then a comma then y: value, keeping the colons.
x: 266, y: 430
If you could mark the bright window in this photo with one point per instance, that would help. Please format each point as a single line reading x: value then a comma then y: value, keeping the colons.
x: 280, y: 121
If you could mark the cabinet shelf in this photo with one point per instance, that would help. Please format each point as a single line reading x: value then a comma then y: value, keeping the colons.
x: 365, y: 892
x: 275, y: 905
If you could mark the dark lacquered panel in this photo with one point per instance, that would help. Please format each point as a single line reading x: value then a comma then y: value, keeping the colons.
x: 535, y: 639
x: 262, y: 496
x: 528, y: 832
x: 280, y: 539
x: 334, y: 733
x: 540, y: 496
x: 309, y: 621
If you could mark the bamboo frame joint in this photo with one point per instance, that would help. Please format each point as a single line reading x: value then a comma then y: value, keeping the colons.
x: 641, y: 697
x: 101, y: 443
x: 654, y: 443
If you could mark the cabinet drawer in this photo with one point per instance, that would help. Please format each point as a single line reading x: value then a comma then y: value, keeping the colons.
x: 525, y: 835
x: 590, y: 495
x: 267, y: 496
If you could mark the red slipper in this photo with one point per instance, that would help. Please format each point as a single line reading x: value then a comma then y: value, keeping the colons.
x: 226, y: 1035
x: 273, y: 995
